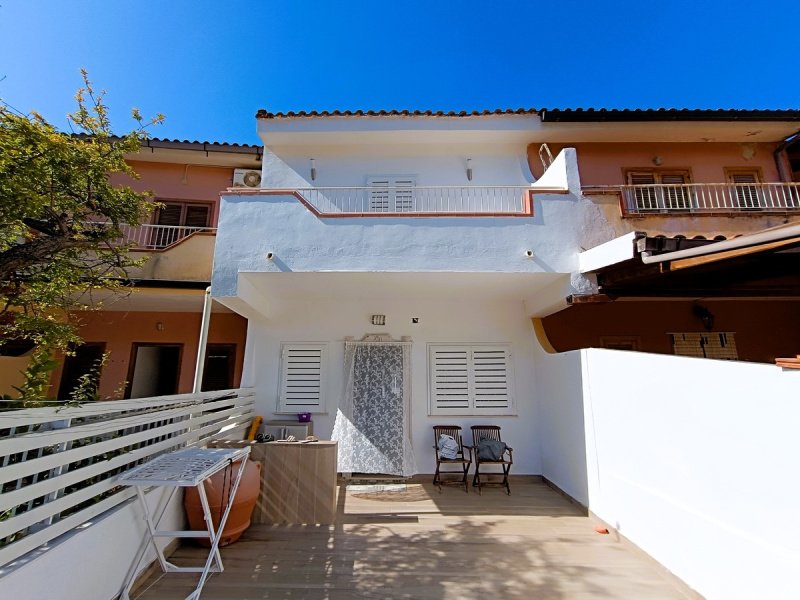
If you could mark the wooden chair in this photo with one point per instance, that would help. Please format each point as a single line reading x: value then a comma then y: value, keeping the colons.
x: 490, y: 432
x: 462, y: 460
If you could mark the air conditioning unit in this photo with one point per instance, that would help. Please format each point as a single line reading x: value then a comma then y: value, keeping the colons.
x: 246, y: 178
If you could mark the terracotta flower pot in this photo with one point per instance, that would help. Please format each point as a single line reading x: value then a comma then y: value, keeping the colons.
x: 218, y: 488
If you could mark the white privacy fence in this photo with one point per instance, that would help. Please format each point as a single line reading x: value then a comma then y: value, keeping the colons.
x: 709, y: 197
x: 693, y: 460
x: 58, y: 466
x: 440, y: 200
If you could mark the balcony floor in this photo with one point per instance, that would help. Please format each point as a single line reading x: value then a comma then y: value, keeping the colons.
x: 416, y: 543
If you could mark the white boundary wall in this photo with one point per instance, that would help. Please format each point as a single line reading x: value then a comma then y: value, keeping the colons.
x: 693, y: 460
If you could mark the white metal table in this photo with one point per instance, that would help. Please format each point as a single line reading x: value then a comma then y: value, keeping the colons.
x: 188, y: 467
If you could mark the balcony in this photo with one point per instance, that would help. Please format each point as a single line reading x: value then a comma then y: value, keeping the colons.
x: 159, y: 237
x: 704, y: 198
x: 429, y: 201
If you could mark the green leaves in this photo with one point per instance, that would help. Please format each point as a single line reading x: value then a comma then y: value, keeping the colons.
x: 61, y: 216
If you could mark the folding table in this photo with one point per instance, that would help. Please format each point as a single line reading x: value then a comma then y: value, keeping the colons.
x: 188, y: 467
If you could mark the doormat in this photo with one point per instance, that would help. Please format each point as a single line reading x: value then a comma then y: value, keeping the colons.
x: 390, y: 493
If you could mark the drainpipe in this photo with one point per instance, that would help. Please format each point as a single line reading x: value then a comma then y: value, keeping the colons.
x: 201, y: 345
x: 784, y: 175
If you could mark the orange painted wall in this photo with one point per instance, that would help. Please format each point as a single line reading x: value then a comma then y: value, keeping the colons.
x: 178, y: 182
x: 764, y: 329
x: 605, y: 164
x: 119, y: 330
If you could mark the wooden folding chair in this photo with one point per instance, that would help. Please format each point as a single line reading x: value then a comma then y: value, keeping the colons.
x: 462, y: 460
x: 490, y: 432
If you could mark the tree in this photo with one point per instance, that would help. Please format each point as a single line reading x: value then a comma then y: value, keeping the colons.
x: 61, y: 217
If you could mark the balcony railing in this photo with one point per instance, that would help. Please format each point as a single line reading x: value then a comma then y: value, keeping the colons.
x: 157, y: 237
x: 706, y: 197
x: 414, y: 200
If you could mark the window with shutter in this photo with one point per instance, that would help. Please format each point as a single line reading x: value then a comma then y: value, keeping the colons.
x: 179, y: 215
x: 721, y: 346
x: 391, y: 194
x: 470, y: 380
x: 663, y: 190
x: 303, y: 378
x: 746, y: 195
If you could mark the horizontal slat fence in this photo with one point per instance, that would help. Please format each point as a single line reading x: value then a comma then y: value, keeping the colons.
x: 59, y: 465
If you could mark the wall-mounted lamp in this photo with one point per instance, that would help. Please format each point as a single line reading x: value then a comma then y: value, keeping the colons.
x: 270, y: 255
x: 529, y: 254
x: 313, y: 169
x: 658, y: 160
x: 159, y: 326
x: 379, y: 319
x: 706, y: 316
x: 469, y: 169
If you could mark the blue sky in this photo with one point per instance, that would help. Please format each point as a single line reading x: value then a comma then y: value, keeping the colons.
x: 210, y: 65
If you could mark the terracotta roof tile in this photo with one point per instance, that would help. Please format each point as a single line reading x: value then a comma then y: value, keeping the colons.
x: 566, y: 114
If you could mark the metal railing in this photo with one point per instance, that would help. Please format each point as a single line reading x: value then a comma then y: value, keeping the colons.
x: 58, y: 465
x: 707, y: 197
x: 439, y: 200
x: 157, y: 237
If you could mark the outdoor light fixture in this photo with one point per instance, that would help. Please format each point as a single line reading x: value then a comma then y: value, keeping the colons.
x: 469, y: 169
x: 379, y: 319
x: 658, y: 160
x: 313, y: 169
x: 159, y: 326
x: 706, y: 316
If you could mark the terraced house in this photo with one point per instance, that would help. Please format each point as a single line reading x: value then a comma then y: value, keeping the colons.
x: 610, y: 287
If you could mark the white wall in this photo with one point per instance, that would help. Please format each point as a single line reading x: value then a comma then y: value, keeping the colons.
x: 253, y: 225
x: 431, y: 164
x: 92, y: 561
x: 456, y: 320
x: 693, y: 460
x: 560, y: 427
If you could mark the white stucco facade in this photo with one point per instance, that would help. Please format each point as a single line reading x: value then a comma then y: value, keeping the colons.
x: 468, y: 279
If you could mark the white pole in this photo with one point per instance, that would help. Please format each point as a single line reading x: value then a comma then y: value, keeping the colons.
x: 201, y: 345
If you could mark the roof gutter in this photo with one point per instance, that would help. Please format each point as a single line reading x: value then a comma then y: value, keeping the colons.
x: 770, y: 235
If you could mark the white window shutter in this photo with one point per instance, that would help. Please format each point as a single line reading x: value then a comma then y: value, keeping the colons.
x: 449, y: 379
x: 403, y: 195
x: 490, y: 378
x: 378, y: 194
x: 303, y: 370
x: 470, y: 380
x: 391, y: 194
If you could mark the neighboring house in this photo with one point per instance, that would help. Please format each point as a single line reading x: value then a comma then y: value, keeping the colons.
x: 679, y: 182
x: 426, y: 232
x: 152, y: 334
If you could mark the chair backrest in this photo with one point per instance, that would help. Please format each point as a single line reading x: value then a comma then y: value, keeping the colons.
x: 485, y: 432
x: 453, y: 431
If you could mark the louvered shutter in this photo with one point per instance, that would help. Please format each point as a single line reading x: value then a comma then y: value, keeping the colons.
x: 403, y: 195
x: 170, y: 214
x: 303, y: 368
x: 645, y: 197
x: 490, y: 380
x: 470, y: 380
x: 391, y: 194
x: 378, y: 195
x: 449, y: 380
x: 196, y: 216
x: 746, y: 195
x: 675, y: 197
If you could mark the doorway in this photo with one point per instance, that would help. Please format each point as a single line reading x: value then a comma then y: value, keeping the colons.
x: 154, y: 370
x: 218, y: 370
x: 84, y: 361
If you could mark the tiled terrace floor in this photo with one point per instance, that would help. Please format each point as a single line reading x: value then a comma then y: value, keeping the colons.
x: 420, y: 544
